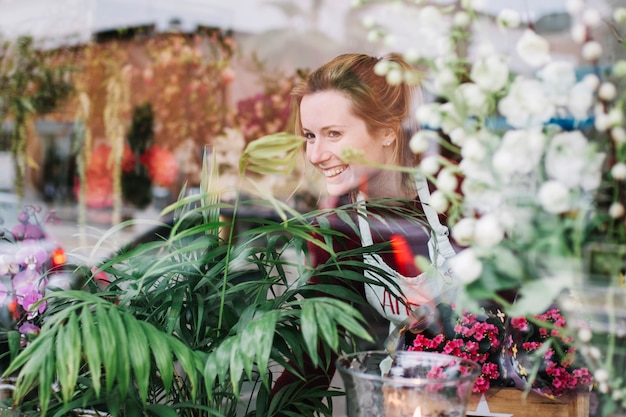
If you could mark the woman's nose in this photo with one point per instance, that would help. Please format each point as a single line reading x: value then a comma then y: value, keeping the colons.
x: 317, y: 152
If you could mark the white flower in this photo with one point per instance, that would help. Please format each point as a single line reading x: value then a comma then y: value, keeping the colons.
x: 461, y: 19
x: 368, y: 22
x: 571, y: 161
x: 447, y: 181
x: 619, y: 171
x: 474, y: 150
x: 591, y: 18
x: 439, y: 202
x: 488, y: 231
x: 616, y: 210
x: 591, y: 81
x: 394, y: 76
x: 580, y: 100
x: 601, y: 375
x: 382, y: 67
x: 558, y: 78
x: 592, y: 51
x: 618, y: 134
x: 421, y: 140
x: 463, y: 231
x: 430, y: 164
x: 390, y: 40
x: 466, y: 266
x: 619, y: 68
x: 519, y: 153
x: 578, y: 33
x: 575, y: 6
x: 431, y: 15
x: 584, y: 335
x: 526, y: 104
x: 429, y: 115
x: 412, y: 55
x: 554, y: 197
x: 533, y: 49
x: 616, y: 116
x: 451, y: 119
x: 508, y: 18
x: 444, y: 81
x: 473, y: 99
x: 374, y: 35
x: 491, y: 73
x: 619, y: 15
x: 458, y: 136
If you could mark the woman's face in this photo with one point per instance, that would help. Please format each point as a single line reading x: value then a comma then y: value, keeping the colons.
x: 329, y: 125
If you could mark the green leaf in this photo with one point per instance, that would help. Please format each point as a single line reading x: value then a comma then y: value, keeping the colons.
x: 309, y: 329
x: 123, y: 375
x: 162, y: 354
x: 109, y: 350
x: 326, y: 324
x: 45, y: 377
x: 139, y: 351
x: 91, y: 346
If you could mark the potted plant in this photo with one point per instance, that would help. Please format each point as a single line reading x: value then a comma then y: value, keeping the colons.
x: 196, y: 322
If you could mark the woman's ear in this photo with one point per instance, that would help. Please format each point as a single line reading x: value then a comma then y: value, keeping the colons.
x: 389, y: 137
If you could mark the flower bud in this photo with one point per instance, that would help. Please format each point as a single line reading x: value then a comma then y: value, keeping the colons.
x: 592, y: 51
x: 578, y: 33
x: 439, y: 202
x: 619, y: 171
x: 463, y: 231
x: 488, y: 231
x: 554, y: 197
x: 618, y: 134
x: 619, y: 15
x: 394, y: 76
x: 584, y: 335
x: 509, y: 19
x: 591, y: 18
x: 461, y: 19
x: 467, y: 266
x: 619, y: 68
x: 575, y: 6
x: 616, y: 210
x: 368, y: 22
x: 420, y: 141
x: 447, y: 181
x: 607, y: 91
x: 430, y: 165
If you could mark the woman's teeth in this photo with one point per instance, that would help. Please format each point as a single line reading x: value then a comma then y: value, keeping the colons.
x: 333, y: 172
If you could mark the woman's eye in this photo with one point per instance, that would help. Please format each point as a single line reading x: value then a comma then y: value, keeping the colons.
x: 309, y: 136
x: 333, y: 134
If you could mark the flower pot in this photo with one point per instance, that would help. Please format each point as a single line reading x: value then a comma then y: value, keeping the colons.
x: 514, y: 402
x: 406, y: 384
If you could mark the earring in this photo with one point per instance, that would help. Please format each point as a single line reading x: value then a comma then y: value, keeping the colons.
x: 387, y: 143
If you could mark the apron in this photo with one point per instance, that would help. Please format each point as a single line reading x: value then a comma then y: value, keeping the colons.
x: 396, y: 303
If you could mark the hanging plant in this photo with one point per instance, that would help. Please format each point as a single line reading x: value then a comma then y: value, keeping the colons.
x: 32, y: 82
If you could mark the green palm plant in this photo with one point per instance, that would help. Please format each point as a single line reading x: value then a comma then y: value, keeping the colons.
x: 196, y: 322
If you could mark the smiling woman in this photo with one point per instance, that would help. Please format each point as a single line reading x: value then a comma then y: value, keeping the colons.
x: 354, y: 120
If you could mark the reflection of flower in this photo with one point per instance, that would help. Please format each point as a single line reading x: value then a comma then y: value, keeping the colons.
x: 26, y: 260
x: 161, y: 165
x: 99, y: 179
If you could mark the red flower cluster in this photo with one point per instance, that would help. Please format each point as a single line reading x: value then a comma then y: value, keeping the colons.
x: 559, y: 372
x: 99, y: 181
x: 474, y: 338
x: 161, y: 165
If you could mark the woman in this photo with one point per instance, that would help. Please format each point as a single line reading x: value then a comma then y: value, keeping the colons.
x: 355, y: 125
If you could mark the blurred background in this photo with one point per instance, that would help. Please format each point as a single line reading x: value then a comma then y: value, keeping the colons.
x: 108, y: 106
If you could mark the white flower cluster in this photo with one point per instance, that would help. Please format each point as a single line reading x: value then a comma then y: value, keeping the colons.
x: 524, y: 139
